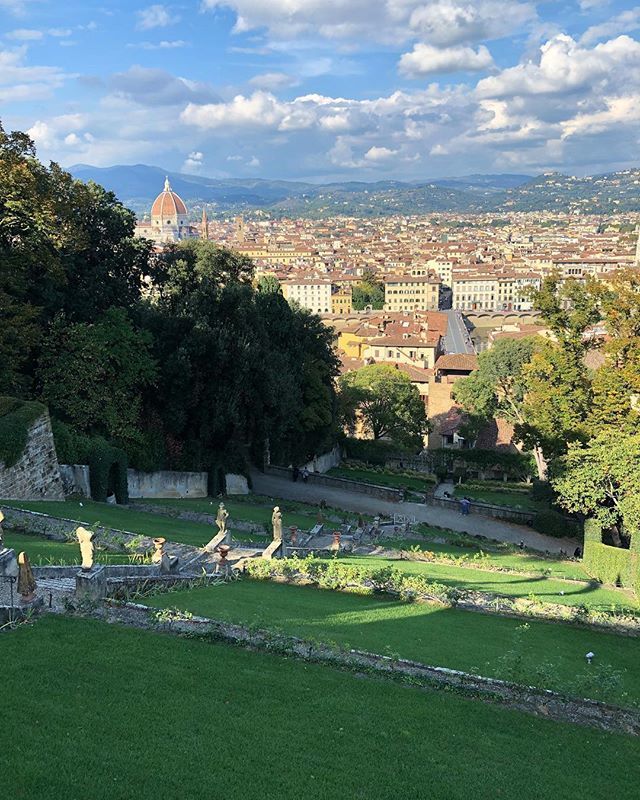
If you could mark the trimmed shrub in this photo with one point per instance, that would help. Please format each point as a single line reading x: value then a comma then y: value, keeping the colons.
x: 16, y: 417
x: 542, y: 491
x: 592, y: 532
x: 552, y: 523
x: 107, y: 470
x: 613, y: 565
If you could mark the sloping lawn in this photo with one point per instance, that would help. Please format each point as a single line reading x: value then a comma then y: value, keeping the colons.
x: 550, y: 590
x: 428, y: 633
x: 123, y: 519
x: 495, y: 497
x: 114, y: 713
x: 43, y: 551
x: 455, y: 544
x: 245, y: 512
x: 382, y: 478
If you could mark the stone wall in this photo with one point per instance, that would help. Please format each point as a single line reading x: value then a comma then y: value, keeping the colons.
x: 541, y: 702
x: 36, y: 475
x: 167, y: 483
x: 75, y: 479
x: 381, y: 492
x: 324, y: 462
x: 487, y: 510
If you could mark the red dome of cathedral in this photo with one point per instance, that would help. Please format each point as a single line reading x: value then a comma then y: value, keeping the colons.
x: 168, y: 204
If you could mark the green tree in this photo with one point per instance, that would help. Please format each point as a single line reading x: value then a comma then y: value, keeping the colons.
x: 498, y: 388
x: 92, y: 374
x: 369, y: 291
x: 602, y: 480
x: 387, y: 403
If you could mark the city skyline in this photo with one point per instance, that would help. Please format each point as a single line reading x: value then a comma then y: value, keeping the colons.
x: 326, y: 90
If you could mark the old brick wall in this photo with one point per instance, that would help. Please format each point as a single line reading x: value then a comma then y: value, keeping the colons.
x: 35, y: 476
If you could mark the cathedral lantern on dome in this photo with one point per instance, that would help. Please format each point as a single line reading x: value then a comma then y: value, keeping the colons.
x: 169, y: 220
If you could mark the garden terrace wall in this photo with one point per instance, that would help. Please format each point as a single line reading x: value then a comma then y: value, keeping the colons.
x: 166, y: 483
x: 371, y: 489
x: 523, y: 698
x: 488, y: 510
x: 35, y: 475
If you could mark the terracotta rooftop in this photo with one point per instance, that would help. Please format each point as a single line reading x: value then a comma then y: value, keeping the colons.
x: 462, y: 362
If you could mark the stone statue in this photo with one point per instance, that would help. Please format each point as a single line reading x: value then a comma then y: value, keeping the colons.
x: 85, y: 539
x: 1, y: 532
x: 221, y: 519
x: 276, y: 522
x: 26, y: 581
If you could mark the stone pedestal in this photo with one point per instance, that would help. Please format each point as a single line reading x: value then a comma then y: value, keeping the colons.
x: 8, y: 563
x: 91, y: 584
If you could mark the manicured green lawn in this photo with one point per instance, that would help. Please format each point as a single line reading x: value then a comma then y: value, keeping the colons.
x: 496, y: 497
x: 550, y: 590
x: 428, y: 633
x: 383, y: 478
x: 45, y: 551
x: 123, y: 519
x: 245, y: 512
x: 113, y: 713
x: 500, y: 555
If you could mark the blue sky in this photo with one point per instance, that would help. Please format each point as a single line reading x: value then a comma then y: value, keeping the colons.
x: 326, y: 89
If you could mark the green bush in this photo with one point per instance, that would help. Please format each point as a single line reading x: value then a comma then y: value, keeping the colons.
x: 16, y: 417
x: 592, y: 532
x: 612, y: 565
x: 542, y: 491
x: 552, y: 523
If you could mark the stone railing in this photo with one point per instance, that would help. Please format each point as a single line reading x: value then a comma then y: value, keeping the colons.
x: 508, y: 513
x: 346, y: 484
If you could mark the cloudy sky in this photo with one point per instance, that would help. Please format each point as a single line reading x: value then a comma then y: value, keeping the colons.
x: 326, y: 89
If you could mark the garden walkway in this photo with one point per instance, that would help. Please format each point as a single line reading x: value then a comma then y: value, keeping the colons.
x: 275, y: 486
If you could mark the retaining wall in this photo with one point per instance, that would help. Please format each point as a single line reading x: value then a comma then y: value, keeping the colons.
x: 523, y: 698
x: 373, y: 490
x: 487, y: 510
x: 167, y: 483
x: 35, y: 475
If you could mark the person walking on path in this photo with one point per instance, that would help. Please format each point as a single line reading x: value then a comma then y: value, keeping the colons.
x: 464, y: 506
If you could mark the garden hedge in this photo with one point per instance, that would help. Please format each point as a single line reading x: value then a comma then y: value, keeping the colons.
x: 614, y: 565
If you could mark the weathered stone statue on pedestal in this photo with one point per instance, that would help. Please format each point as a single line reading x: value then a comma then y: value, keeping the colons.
x: 276, y: 522
x: 26, y: 581
x: 221, y: 519
x: 85, y: 539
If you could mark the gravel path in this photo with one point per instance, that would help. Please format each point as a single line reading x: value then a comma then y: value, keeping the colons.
x: 275, y: 486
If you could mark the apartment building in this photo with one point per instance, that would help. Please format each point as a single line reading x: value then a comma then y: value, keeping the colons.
x: 412, y: 292
x: 493, y: 291
x: 311, y: 293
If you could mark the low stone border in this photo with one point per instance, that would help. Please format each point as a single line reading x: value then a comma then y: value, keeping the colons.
x: 541, y: 702
x: 517, y: 608
x: 196, y: 516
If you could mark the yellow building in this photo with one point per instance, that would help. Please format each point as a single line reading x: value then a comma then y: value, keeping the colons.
x: 341, y: 300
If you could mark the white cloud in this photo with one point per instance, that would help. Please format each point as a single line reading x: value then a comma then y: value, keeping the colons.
x: 273, y: 80
x: 19, y: 81
x: 194, y: 162
x: 156, y: 16
x: 565, y: 66
x: 441, y: 22
x: 25, y: 35
x: 380, y: 154
x: 425, y: 59
x: 624, y: 22
x: 449, y: 22
x: 165, y: 44
x: 260, y: 110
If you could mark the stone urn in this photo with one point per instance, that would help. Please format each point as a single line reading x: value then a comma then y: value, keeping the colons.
x: 224, y: 552
x: 158, y: 544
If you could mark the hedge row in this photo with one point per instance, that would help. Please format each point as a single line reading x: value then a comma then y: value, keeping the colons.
x: 613, y: 565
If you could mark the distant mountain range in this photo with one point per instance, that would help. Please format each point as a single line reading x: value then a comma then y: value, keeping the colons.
x: 137, y: 186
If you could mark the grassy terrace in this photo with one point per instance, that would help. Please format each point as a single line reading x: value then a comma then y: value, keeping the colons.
x: 496, y: 497
x: 123, y: 519
x: 441, y: 637
x: 547, y: 589
x: 43, y: 551
x: 201, y: 720
x: 258, y: 511
x: 417, y: 484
